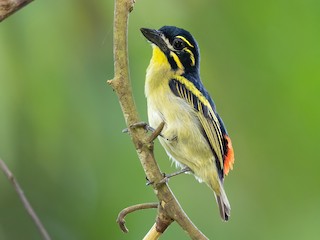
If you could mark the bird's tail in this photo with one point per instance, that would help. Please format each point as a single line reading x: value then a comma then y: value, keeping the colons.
x: 223, y: 203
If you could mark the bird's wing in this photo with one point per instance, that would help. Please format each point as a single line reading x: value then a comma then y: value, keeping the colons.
x: 210, y: 121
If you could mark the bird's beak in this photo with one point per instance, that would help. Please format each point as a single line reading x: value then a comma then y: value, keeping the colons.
x: 155, y: 37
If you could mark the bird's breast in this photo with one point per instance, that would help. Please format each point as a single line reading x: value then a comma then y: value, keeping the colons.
x: 182, y: 126
x: 177, y: 114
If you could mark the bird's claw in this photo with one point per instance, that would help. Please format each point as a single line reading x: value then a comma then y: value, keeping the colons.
x: 148, y: 183
x: 137, y: 125
x: 165, y: 179
x: 143, y: 125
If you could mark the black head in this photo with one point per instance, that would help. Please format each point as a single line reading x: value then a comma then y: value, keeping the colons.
x: 177, y: 44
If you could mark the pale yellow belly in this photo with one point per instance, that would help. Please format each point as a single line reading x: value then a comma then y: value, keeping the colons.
x: 183, y: 139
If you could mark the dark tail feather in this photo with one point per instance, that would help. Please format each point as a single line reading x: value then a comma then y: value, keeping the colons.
x: 224, y: 205
x: 223, y: 208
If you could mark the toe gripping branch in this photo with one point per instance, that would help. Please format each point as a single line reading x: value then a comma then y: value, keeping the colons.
x: 154, y: 132
x: 166, y: 177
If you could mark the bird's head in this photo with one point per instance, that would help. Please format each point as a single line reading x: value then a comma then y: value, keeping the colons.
x: 174, y: 46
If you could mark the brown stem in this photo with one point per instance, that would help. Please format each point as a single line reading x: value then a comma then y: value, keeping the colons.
x: 8, y: 7
x: 24, y: 200
x: 121, y: 217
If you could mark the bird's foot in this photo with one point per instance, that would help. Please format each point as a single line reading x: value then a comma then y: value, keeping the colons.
x: 139, y: 125
x: 166, y: 177
x: 148, y: 183
x: 143, y: 125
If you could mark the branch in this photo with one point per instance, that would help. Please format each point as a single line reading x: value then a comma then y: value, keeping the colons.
x: 170, y: 208
x: 156, y: 132
x: 8, y: 7
x: 24, y: 200
x: 126, y: 211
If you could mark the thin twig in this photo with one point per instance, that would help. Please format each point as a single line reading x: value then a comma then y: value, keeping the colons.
x: 121, y: 217
x: 24, y: 200
x: 8, y: 7
x: 156, y: 133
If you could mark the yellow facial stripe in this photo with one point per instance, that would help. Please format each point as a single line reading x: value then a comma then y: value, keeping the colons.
x: 185, y: 40
x: 193, y: 61
x: 177, y: 60
x: 192, y: 88
x: 158, y: 56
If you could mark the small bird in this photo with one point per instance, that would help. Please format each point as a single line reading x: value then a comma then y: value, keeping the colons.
x: 194, y: 135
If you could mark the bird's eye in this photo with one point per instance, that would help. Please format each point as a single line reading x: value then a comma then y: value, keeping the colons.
x: 178, y: 44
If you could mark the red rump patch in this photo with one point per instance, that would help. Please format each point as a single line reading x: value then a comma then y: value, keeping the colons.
x: 229, y: 157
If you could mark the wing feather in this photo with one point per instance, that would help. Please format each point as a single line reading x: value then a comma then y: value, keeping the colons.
x: 208, y: 119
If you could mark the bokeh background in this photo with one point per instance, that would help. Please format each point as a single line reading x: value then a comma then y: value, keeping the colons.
x: 60, y: 124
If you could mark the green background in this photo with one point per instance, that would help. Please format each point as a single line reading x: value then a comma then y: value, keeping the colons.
x: 60, y: 123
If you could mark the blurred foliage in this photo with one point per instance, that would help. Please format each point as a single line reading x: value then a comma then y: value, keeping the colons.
x: 60, y: 124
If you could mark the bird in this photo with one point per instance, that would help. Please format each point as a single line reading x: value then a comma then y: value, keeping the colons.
x: 194, y: 135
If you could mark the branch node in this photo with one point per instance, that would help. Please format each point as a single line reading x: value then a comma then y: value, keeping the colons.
x: 150, y: 145
x: 112, y: 83
x: 131, y: 4
x: 162, y: 222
